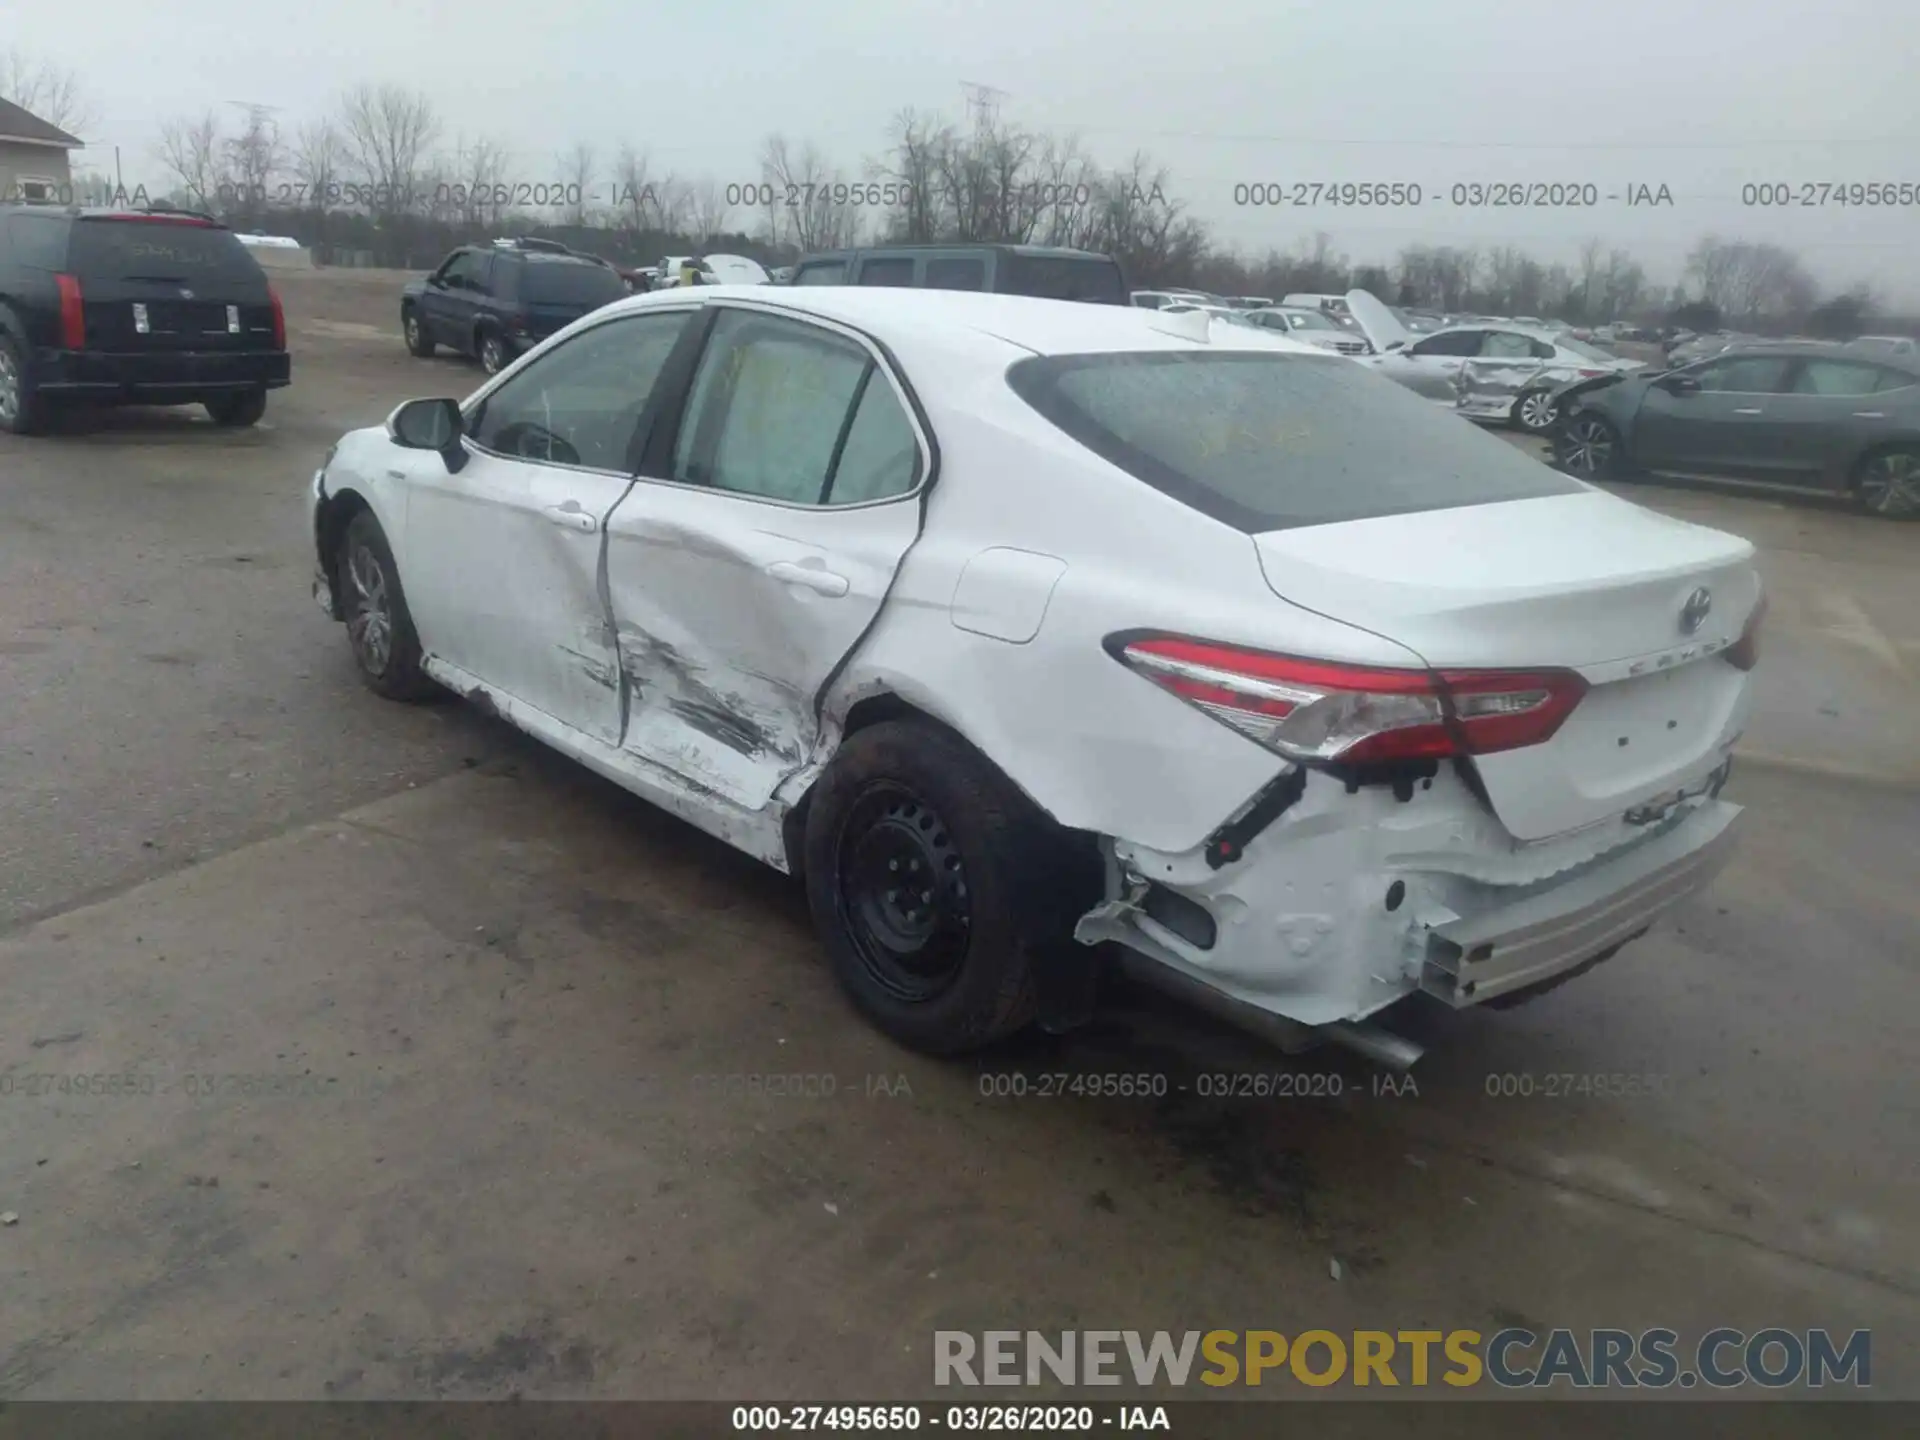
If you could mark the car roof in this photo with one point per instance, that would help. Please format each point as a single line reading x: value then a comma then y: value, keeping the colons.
x: 1817, y: 349
x: 907, y: 319
x: 918, y: 247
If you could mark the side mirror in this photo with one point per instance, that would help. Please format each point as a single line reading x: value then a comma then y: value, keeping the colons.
x: 1393, y: 345
x: 430, y: 425
x: 1680, y: 385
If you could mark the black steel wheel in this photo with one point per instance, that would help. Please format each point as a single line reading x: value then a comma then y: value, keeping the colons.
x: 942, y: 894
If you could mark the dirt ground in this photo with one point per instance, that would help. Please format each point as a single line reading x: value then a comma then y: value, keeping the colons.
x: 425, y: 1034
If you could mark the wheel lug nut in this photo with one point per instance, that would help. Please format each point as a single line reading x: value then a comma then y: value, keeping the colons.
x: 893, y: 864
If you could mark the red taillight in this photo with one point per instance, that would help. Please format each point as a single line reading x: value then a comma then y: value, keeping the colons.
x: 279, y: 319
x: 73, y: 314
x: 1591, y: 374
x: 1744, y: 653
x: 1316, y: 710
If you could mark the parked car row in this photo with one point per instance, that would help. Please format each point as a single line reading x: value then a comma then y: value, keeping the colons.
x: 1496, y: 371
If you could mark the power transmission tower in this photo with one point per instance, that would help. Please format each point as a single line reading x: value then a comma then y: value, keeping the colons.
x: 983, y: 104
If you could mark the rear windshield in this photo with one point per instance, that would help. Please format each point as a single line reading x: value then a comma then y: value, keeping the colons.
x: 160, y: 250
x: 1062, y: 277
x: 569, y: 282
x: 1274, y: 442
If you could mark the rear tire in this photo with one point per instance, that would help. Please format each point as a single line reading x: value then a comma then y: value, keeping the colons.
x: 1887, y: 483
x: 936, y: 886
x: 239, y: 410
x: 1534, y: 412
x: 22, y: 411
x: 379, y: 626
x: 419, y: 344
x: 1588, y: 446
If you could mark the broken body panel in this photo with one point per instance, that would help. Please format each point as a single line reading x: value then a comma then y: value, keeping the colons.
x: 705, y: 650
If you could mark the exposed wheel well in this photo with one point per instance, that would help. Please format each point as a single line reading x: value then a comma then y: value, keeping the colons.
x: 335, y: 516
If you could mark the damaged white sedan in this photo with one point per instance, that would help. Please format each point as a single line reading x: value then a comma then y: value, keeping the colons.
x: 1031, y: 633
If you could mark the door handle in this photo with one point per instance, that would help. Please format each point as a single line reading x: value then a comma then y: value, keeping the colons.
x: 572, y: 516
x: 1869, y: 414
x: 810, y: 577
x: 1748, y: 410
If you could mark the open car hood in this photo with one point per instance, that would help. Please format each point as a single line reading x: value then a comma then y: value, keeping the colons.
x: 1376, y: 322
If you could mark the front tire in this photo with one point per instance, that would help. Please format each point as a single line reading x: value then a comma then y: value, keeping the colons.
x: 419, y: 344
x: 936, y: 886
x: 237, y: 411
x: 22, y: 411
x: 1588, y: 446
x: 1535, y: 412
x: 493, y: 352
x: 379, y: 626
x: 1888, y: 484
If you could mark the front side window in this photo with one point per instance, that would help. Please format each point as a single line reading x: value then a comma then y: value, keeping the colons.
x: 1506, y: 345
x: 462, y: 272
x: 828, y: 272
x: 1271, y: 442
x: 795, y: 413
x: 1454, y: 342
x: 1746, y: 374
x: 581, y: 403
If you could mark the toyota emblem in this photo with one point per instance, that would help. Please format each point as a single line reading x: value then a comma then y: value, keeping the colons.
x: 185, y: 294
x: 1694, y: 613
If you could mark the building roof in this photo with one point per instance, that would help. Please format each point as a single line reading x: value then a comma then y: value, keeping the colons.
x: 25, y: 127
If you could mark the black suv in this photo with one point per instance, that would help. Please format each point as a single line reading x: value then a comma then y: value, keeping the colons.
x: 494, y: 301
x: 133, y: 307
x: 1042, y: 270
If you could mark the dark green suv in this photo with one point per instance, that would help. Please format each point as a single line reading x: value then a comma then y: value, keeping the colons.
x: 1042, y: 270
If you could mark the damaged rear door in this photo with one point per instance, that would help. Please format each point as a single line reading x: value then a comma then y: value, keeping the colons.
x: 758, y: 545
x: 503, y: 557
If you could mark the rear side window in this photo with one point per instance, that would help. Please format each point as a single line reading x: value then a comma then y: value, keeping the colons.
x: 1063, y: 277
x: 1837, y: 377
x: 161, y: 250
x: 1274, y: 442
x: 897, y: 273
x: 957, y: 273
x: 829, y: 272
x: 38, y: 242
x: 569, y: 282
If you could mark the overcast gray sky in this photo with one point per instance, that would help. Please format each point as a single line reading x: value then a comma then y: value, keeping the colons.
x: 1702, y: 96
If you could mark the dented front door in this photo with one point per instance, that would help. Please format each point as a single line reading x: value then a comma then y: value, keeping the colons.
x: 503, y: 568
x: 757, y: 548
x: 504, y: 582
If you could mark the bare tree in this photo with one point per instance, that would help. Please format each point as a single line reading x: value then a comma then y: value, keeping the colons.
x: 1751, y: 282
x: 707, y: 210
x: 810, y: 204
x: 190, y: 149
x: 388, y: 131
x: 316, y: 158
x: 48, y: 91
x: 576, y: 174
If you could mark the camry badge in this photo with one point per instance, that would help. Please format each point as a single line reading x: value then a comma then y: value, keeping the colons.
x: 1694, y: 613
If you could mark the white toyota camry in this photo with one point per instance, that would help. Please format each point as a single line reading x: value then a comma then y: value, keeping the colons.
x: 1031, y: 633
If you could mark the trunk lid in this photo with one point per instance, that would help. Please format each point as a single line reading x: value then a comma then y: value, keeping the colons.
x: 1583, y: 582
